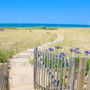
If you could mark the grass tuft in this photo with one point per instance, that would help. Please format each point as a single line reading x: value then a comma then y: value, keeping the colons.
x: 13, y: 41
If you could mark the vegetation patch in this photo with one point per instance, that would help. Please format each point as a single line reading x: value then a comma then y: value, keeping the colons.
x: 13, y: 41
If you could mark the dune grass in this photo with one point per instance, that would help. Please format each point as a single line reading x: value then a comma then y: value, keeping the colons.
x: 74, y: 37
x: 13, y: 41
x: 31, y: 28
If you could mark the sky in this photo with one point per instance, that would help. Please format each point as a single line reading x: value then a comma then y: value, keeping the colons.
x: 45, y: 11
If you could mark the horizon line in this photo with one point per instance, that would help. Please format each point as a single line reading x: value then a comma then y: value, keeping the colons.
x: 47, y: 23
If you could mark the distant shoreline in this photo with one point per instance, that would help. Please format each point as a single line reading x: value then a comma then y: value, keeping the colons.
x: 22, y: 25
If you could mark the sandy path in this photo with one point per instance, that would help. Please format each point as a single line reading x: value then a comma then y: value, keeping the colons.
x: 21, y: 71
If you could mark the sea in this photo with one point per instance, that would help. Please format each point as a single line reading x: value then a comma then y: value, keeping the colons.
x: 42, y: 25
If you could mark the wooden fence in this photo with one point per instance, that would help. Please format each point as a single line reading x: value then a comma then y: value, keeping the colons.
x: 4, y: 76
x: 54, y: 72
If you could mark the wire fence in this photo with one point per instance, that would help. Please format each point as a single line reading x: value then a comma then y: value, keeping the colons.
x: 52, y: 72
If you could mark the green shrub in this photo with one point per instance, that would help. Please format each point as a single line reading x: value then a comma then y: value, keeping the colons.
x: 41, y: 27
x: 52, y: 28
x: 5, y: 54
x: 88, y: 64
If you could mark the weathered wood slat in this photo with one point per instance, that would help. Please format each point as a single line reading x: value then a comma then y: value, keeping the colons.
x: 57, y: 70
x: 69, y: 73
x: 1, y: 77
x: 42, y: 79
x: 44, y: 69
x: 81, y: 73
x: 61, y: 72
x: 54, y: 73
x: 35, y: 67
x: 73, y: 73
x: 39, y: 69
x: 47, y: 69
x: 54, y: 70
x: 88, y: 81
x: 64, y: 73
x: 4, y: 76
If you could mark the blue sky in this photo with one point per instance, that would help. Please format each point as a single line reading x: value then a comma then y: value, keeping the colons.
x: 45, y: 11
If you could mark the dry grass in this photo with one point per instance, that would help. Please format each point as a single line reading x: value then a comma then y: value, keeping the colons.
x: 18, y: 40
x: 24, y: 39
x: 74, y: 37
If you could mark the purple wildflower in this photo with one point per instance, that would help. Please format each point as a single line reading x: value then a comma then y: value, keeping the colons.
x: 86, y: 52
x: 71, y: 50
x: 76, y: 49
x: 51, y: 49
x: 58, y: 47
x: 78, y: 52
x: 62, y: 54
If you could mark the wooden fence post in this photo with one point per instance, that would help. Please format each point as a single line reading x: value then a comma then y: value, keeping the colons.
x: 1, y: 77
x: 81, y: 73
x: 5, y: 76
x: 88, y: 81
x: 73, y: 73
x: 35, y: 67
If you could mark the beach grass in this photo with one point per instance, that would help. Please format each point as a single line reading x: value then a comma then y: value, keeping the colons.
x: 13, y: 41
x: 31, y: 28
x: 74, y: 38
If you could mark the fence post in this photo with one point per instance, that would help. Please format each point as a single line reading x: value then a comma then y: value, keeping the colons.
x: 35, y: 66
x: 0, y: 76
x: 81, y: 73
x: 5, y: 76
x: 73, y: 73
x: 88, y: 81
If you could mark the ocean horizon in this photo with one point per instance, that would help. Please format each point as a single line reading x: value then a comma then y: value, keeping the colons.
x: 22, y: 25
